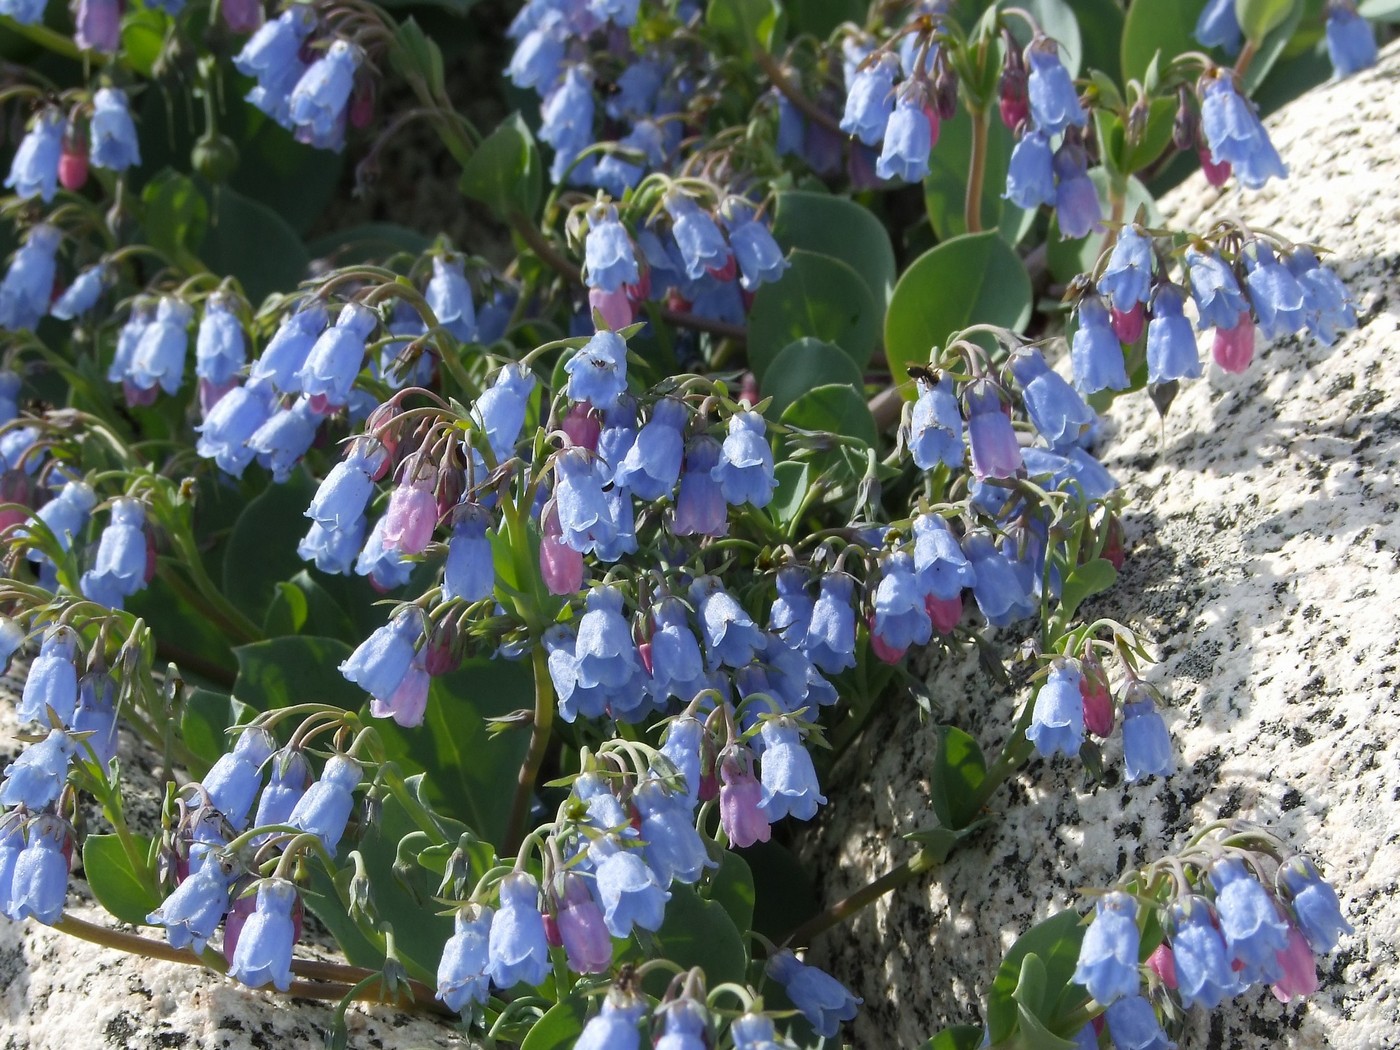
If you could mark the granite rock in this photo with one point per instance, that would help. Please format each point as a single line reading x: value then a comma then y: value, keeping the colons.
x: 1262, y: 557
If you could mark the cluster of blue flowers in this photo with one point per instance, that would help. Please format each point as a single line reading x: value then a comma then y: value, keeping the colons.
x: 1233, y: 916
x: 683, y: 1020
x: 57, y: 149
x: 901, y: 116
x: 309, y: 96
x: 210, y: 850
x: 1047, y: 108
x: 620, y: 842
x: 688, y: 262
x: 560, y: 50
x: 1236, y: 285
x: 52, y: 510
x: 36, y: 840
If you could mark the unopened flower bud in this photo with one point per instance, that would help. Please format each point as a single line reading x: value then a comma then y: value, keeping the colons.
x: 214, y: 157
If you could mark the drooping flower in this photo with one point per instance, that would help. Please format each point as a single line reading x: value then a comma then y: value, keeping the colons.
x: 264, y: 949
x: 461, y: 975
x: 745, y: 467
x: 1351, y: 42
x: 450, y: 297
x: 517, y: 951
x: 870, y: 101
x: 1095, y: 353
x: 113, y: 133
x: 34, y: 170
x: 1108, y: 956
x: 1054, y: 102
x: 1236, y: 136
x: 1057, y: 720
x: 822, y: 999
x: 936, y: 426
x: 789, y: 779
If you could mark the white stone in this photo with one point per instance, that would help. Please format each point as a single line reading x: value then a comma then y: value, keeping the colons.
x: 1263, y: 550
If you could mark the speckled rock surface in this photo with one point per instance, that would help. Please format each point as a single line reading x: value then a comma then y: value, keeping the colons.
x: 1263, y: 550
x: 59, y: 993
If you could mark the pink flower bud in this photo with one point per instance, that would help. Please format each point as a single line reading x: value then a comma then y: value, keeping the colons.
x: 1233, y: 348
x: 1127, y: 326
x: 1216, y: 174
x: 886, y: 653
x: 136, y: 397
x: 73, y: 165
x: 1163, y: 964
x: 582, y: 426
x: 412, y: 515
x: 1098, y: 704
x: 740, y: 796
x: 614, y: 307
x: 241, y: 16
x: 561, y: 567
x: 1299, y: 968
x: 944, y: 612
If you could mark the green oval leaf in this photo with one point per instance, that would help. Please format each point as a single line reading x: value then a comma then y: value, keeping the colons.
x: 505, y: 172
x: 834, y: 408
x: 841, y: 228
x: 700, y: 933
x: 294, y: 670
x: 820, y: 297
x: 803, y: 366
x: 1166, y: 26
x: 975, y: 278
x: 250, y: 241
x: 262, y: 548
x: 468, y: 774
x: 130, y: 895
x: 1056, y: 941
x: 958, y: 770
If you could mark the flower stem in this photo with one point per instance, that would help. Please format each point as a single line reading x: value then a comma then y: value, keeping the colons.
x: 976, y: 169
x: 896, y: 877
x: 534, y: 758
x: 324, y: 980
x: 795, y: 94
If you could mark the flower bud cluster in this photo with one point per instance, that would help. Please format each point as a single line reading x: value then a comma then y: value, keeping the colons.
x: 1238, y: 283
x: 1232, y: 911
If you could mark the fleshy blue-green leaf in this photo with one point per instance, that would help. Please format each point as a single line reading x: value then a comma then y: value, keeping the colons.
x: 505, y: 171
x: 262, y: 548
x: 298, y: 669
x: 975, y: 278
x: 129, y: 894
x: 803, y: 366
x: 469, y: 775
x: 841, y: 228
x: 560, y: 1027
x: 1056, y: 941
x: 700, y: 933
x: 958, y: 770
x: 1166, y: 26
x: 252, y: 242
x: 819, y: 297
x: 833, y: 408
